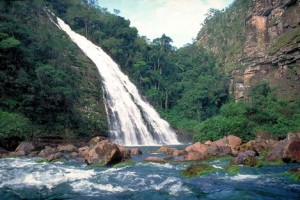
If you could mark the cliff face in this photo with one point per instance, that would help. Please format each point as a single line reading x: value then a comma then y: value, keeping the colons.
x: 270, y: 50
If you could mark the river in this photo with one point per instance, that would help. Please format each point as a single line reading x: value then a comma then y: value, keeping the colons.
x: 24, y: 178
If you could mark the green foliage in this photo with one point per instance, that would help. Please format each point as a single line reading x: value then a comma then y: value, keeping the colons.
x: 44, y: 78
x: 263, y: 113
x: 14, y: 125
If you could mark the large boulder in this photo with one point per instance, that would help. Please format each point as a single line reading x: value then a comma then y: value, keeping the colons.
x: 47, y: 151
x: 165, y: 150
x: 194, y: 156
x: 27, y: 147
x: 55, y: 156
x: 287, y: 150
x: 96, y: 140
x: 197, y: 147
x: 234, y: 142
x: 180, y: 152
x: 104, y: 153
x: 83, y: 151
x: 215, y: 150
x: 68, y: 148
x: 155, y: 160
x: 125, y: 152
x: 135, y: 151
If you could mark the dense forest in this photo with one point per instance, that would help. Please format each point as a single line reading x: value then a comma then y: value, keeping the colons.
x: 49, y: 88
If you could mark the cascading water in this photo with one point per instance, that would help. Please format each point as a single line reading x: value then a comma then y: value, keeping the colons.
x: 131, y: 119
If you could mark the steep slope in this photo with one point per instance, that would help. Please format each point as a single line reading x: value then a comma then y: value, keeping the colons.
x: 260, y: 41
x: 47, y: 86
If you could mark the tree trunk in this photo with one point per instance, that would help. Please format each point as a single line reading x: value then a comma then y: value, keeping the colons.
x: 166, y: 100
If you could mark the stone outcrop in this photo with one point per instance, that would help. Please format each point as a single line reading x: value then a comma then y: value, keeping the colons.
x: 155, y: 160
x: 287, y: 150
x: 266, y: 43
x: 271, y: 50
x: 103, y: 152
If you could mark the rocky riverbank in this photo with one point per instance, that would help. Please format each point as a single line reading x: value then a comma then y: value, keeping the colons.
x: 99, y: 151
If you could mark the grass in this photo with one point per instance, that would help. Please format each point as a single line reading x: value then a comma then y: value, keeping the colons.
x: 232, y: 169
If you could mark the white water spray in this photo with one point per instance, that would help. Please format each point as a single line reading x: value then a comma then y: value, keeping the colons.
x: 131, y: 119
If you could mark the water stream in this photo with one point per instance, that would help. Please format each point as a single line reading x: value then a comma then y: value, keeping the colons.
x: 132, y: 120
x: 24, y: 178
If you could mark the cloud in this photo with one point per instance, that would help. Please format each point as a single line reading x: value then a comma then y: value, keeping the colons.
x: 179, y: 19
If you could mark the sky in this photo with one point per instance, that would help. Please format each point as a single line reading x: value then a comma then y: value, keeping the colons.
x: 179, y: 19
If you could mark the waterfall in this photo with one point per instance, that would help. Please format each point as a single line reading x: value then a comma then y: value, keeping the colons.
x: 132, y: 120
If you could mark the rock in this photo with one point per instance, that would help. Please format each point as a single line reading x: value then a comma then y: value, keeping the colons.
x: 214, y: 150
x: 95, y: 140
x: 287, y: 150
x: 17, y: 153
x: 155, y: 160
x: 245, y: 158
x: 83, y: 151
x: 3, y: 153
x: 55, y: 156
x: 168, y: 158
x: 180, y: 152
x: 27, y: 147
x: 69, y: 148
x: 135, y: 151
x: 197, y: 170
x: 197, y: 147
x: 74, y: 155
x: 194, y: 156
x: 208, y: 142
x: 125, y: 152
x: 221, y: 142
x: 47, y: 151
x: 165, y: 150
x: 104, y: 153
x: 234, y: 142
x: 247, y: 146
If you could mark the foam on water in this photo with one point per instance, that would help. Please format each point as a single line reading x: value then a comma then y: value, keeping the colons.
x: 89, y: 187
x: 241, y: 177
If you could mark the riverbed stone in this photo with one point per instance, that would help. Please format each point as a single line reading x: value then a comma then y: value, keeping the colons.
x: 246, y: 158
x: 68, y: 148
x: 135, y: 151
x: 104, y: 153
x: 155, y: 160
x: 27, y: 147
x: 165, y: 150
x: 194, y: 156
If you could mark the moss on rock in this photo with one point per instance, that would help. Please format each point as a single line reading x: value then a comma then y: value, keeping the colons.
x: 197, y: 170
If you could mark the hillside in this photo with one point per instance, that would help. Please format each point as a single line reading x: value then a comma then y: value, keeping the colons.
x: 254, y: 41
x: 47, y: 86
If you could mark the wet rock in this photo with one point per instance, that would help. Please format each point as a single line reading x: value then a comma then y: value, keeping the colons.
x: 69, y: 148
x: 3, y: 153
x: 55, y: 156
x: 17, y: 153
x: 194, y: 156
x: 83, y: 151
x: 287, y: 150
x: 125, y: 152
x: 135, y: 151
x: 214, y: 150
x: 104, y: 153
x: 95, y: 140
x: 245, y: 158
x: 197, y: 147
x: 155, y: 160
x: 180, y: 152
x: 47, y: 151
x: 165, y: 150
x: 197, y: 170
x: 27, y: 147
x: 234, y: 142
x: 168, y: 158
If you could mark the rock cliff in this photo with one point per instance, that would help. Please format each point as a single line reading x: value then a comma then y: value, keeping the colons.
x: 270, y: 47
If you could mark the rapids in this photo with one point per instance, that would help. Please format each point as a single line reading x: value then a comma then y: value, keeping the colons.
x: 24, y: 178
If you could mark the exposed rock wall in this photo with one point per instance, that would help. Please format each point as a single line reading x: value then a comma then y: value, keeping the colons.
x: 270, y: 46
x: 271, y: 50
